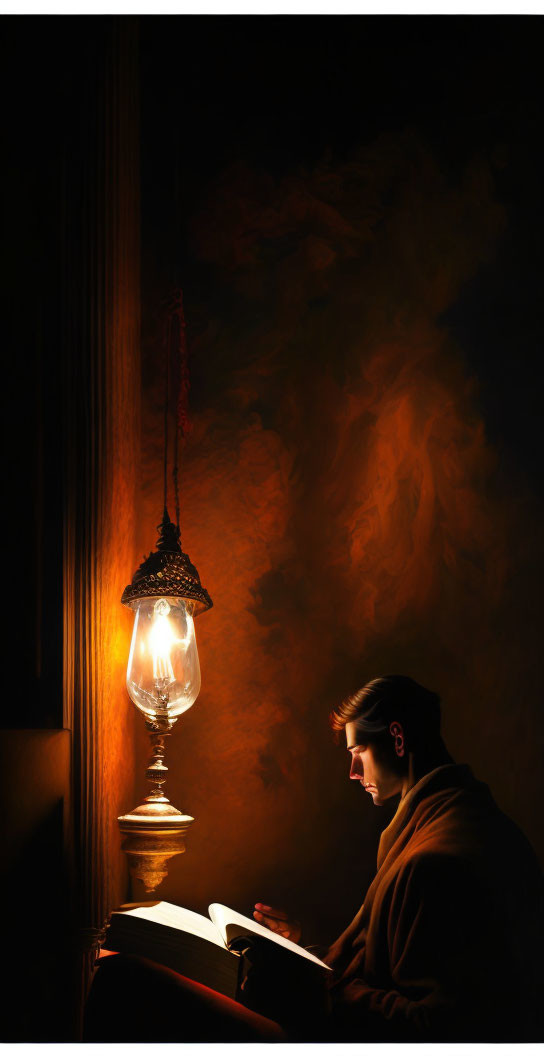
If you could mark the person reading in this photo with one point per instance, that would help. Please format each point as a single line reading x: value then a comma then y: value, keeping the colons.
x: 447, y: 945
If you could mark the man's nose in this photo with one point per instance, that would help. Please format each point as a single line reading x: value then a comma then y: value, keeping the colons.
x: 356, y: 770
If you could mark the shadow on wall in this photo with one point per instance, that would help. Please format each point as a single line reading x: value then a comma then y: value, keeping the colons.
x: 346, y: 513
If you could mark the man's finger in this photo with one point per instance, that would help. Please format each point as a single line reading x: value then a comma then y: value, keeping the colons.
x: 271, y: 911
x: 273, y: 925
x: 270, y: 922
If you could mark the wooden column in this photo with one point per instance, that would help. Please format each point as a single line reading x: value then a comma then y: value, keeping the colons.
x: 101, y: 444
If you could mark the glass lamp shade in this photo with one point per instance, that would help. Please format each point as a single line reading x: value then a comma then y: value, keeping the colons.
x: 163, y: 674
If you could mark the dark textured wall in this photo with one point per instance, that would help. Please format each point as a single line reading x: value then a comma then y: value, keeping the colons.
x: 70, y: 409
x: 347, y: 511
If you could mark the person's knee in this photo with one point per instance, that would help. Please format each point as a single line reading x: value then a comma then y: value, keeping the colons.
x: 134, y: 999
x: 123, y: 1000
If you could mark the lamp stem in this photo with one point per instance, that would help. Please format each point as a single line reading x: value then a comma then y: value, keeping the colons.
x: 157, y: 771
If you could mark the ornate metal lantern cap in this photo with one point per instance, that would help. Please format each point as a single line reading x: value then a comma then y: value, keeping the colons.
x: 167, y: 572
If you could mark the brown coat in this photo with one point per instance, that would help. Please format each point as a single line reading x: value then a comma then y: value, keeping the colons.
x: 448, y: 943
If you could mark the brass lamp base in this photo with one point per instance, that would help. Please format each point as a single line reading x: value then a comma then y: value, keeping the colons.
x: 152, y: 834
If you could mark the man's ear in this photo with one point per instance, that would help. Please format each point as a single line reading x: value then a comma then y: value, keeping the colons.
x: 397, y: 733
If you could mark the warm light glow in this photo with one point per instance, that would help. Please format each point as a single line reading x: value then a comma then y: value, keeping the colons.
x: 161, y: 640
x: 163, y: 675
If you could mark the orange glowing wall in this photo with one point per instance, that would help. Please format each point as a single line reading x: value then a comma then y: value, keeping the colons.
x: 347, y: 514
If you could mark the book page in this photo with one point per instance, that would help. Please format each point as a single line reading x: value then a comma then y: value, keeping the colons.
x: 222, y: 916
x: 171, y: 916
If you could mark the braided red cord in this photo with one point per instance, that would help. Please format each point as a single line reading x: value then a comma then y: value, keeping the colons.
x: 184, y: 381
x: 183, y: 425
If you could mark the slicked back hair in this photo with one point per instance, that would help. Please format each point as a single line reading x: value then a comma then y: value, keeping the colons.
x: 387, y: 699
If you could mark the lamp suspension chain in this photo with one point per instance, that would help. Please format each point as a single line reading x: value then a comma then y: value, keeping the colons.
x: 179, y: 356
x: 182, y: 404
x: 166, y: 404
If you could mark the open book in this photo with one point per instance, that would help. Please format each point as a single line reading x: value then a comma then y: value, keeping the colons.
x: 206, y: 949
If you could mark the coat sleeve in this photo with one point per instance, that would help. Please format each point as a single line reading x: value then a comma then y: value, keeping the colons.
x: 439, y: 943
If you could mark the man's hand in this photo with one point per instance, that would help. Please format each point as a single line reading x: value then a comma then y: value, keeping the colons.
x: 278, y: 921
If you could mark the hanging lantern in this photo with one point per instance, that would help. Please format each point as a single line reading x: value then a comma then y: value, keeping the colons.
x: 163, y: 673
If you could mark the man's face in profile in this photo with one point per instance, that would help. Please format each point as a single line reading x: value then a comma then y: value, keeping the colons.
x: 373, y: 764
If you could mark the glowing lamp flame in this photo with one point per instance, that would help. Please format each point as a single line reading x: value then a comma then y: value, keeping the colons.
x: 161, y: 640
